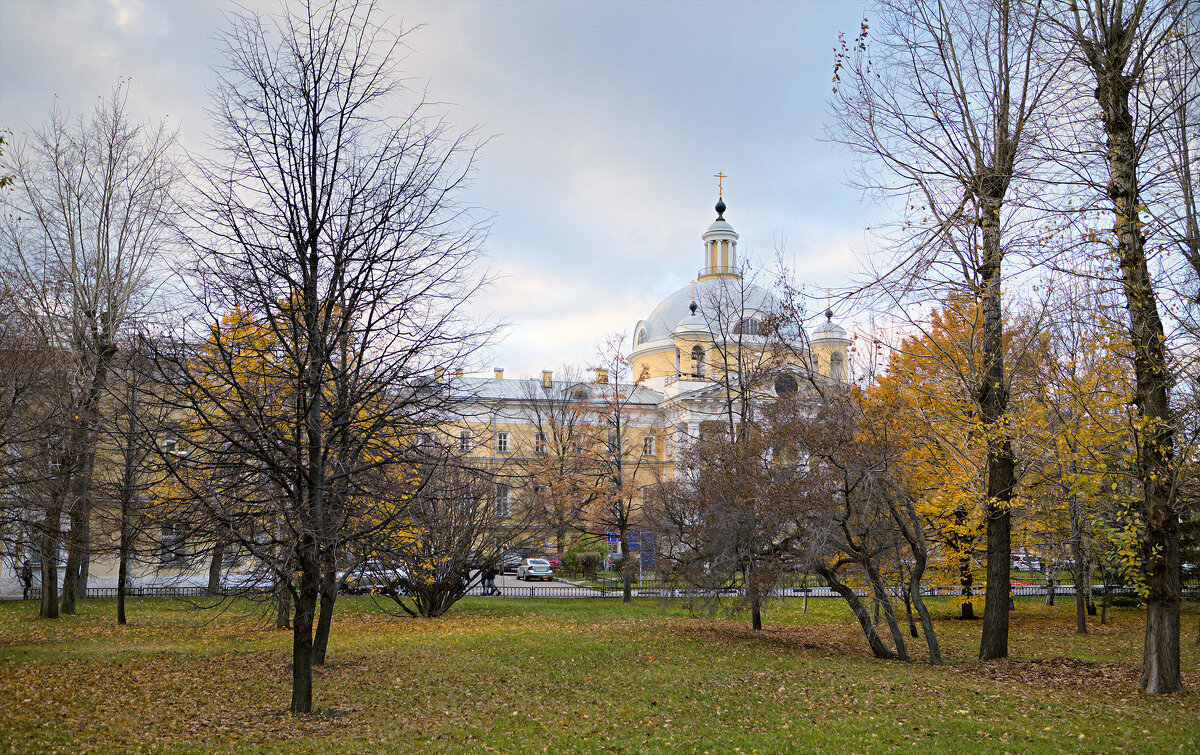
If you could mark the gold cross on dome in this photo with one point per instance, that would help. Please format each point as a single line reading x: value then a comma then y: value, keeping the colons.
x: 720, y: 176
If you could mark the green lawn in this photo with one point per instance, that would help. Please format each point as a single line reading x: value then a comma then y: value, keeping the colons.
x: 520, y: 675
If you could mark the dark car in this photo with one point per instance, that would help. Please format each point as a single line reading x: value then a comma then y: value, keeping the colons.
x: 511, y: 560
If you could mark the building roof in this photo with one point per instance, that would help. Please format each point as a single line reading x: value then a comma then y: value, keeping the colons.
x: 525, y: 389
x: 671, y: 311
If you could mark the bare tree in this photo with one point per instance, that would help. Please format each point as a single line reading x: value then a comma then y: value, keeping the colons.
x: 87, y: 223
x: 948, y: 101
x: 561, y: 468
x: 1128, y: 48
x: 333, y: 227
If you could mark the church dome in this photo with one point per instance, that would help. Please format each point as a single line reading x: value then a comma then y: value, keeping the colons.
x: 829, y: 330
x: 672, y: 311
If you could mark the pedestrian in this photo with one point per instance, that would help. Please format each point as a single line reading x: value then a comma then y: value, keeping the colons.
x: 26, y: 579
x: 489, y: 580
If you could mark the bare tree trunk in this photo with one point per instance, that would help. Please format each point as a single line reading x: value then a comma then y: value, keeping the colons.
x: 123, y: 567
x: 878, y: 649
x: 1050, y: 582
x: 283, y: 601
x: 1077, y: 554
x: 626, y: 568
x: 966, y: 581
x: 993, y: 408
x: 889, y: 611
x: 302, y: 645
x: 325, y: 619
x: 214, y: 568
x: 49, y: 552
x: 1107, y: 41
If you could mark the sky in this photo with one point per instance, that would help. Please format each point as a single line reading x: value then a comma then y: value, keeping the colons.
x: 607, y: 121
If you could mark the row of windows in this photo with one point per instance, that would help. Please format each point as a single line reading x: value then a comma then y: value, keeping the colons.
x: 541, y: 445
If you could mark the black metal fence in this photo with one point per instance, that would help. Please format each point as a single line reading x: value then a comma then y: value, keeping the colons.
x: 645, y: 589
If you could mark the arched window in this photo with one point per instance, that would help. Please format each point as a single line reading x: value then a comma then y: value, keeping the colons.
x: 698, y: 361
x: 747, y: 326
x: 786, y: 384
x: 640, y: 338
x: 836, y: 367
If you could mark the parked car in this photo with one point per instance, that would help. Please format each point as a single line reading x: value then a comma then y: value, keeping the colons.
x: 535, y: 568
x: 511, y: 560
x: 372, y: 576
x: 555, y: 563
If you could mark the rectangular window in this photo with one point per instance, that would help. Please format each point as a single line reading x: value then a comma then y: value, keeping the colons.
x: 502, y: 443
x: 464, y: 440
x: 648, y: 445
x: 503, y: 503
x: 539, y: 443
x: 614, y: 443
x: 173, y: 543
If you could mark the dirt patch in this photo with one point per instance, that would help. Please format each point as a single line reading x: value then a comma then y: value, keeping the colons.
x: 1055, y: 672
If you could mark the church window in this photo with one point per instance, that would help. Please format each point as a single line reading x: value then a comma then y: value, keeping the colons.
x: 648, y: 445
x: 539, y: 443
x: 785, y: 384
x: 641, y: 337
x: 698, y: 361
x: 836, y: 367
x: 747, y: 326
x: 614, y: 443
x: 464, y: 440
x: 502, y: 443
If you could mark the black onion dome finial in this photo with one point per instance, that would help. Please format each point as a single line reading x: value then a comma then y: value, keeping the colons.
x: 720, y: 208
x: 829, y: 315
x: 693, y: 306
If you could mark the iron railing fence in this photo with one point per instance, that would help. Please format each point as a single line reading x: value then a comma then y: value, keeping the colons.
x: 644, y: 589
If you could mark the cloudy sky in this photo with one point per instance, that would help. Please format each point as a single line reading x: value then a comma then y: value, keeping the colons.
x: 609, y: 120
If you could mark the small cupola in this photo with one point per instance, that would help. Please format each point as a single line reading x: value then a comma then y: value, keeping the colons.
x: 720, y: 247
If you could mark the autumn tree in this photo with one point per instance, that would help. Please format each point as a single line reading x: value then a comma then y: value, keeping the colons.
x: 945, y: 106
x: 87, y: 223
x: 560, y: 465
x: 329, y: 214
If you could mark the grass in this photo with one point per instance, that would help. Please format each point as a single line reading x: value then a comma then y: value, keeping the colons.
x: 524, y: 675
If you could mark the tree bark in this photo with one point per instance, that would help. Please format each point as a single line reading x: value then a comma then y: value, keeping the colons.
x: 325, y: 619
x: 302, y: 645
x: 993, y: 408
x: 51, y: 526
x: 1077, y: 554
x: 123, y: 568
x: 878, y: 649
x: 1108, y: 54
x: 283, y: 600
x: 214, y: 568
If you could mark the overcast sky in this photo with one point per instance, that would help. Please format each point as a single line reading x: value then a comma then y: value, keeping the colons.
x: 609, y: 120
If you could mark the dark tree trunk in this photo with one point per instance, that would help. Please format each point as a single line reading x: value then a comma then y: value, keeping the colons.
x: 889, y: 611
x: 49, y: 553
x: 1050, y: 582
x: 302, y: 645
x: 1080, y: 559
x: 966, y: 581
x: 755, y: 611
x: 626, y: 568
x: 214, y: 568
x: 1108, y: 54
x: 325, y: 618
x: 908, y: 613
x: 283, y: 600
x: 123, y: 567
x: 878, y: 649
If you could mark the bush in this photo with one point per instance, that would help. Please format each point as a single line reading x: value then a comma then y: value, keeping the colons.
x: 586, y: 544
x: 588, y: 562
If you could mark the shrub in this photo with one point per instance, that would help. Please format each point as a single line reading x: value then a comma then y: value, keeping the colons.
x: 588, y: 562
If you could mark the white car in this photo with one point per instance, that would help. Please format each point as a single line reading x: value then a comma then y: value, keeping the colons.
x: 535, y: 568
